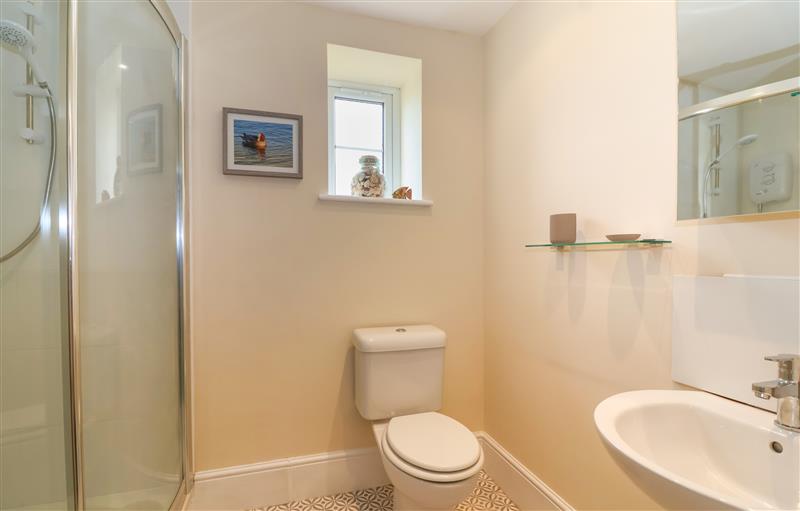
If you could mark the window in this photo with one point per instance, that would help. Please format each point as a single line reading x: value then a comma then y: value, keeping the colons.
x: 363, y: 120
x: 374, y: 108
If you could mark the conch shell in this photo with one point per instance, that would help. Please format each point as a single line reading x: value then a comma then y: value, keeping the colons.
x: 404, y: 192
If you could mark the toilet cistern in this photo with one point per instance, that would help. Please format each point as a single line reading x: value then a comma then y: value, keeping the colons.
x: 786, y: 389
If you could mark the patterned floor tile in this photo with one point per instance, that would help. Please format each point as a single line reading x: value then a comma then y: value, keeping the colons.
x: 486, y: 496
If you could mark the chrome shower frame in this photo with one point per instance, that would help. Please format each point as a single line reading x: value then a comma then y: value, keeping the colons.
x: 73, y: 259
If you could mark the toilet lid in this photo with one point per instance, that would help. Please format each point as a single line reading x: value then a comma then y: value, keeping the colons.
x: 433, y: 441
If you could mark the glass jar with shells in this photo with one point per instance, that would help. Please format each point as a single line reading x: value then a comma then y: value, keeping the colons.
x: 369, y: 182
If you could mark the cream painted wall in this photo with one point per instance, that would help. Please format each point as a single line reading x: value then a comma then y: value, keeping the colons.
x: 581, y: 116
x: 280, y: 279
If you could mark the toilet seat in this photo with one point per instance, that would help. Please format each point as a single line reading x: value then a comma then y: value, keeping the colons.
x: 433, y: 441
x: 432, y: 447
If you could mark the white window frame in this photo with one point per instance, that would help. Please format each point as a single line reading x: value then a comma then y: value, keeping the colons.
x: 389, y: 97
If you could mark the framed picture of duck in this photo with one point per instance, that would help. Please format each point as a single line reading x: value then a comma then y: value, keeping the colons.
x: 144, y: 150
x: 257, y: 143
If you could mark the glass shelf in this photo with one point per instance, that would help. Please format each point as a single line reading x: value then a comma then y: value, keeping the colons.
x: 637, y: 243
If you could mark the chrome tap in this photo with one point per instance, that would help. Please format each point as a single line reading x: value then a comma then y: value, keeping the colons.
x: 786, y: 389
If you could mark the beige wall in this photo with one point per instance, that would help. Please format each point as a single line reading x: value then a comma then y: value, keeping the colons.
x: 280, y: 279
x: 581, y: 116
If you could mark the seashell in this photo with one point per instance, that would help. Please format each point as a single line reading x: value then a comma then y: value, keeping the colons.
x: 404, y: 192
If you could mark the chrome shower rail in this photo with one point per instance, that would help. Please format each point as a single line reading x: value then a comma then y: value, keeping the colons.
x: 738, y: 98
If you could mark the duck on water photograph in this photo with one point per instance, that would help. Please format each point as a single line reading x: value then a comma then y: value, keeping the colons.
x: 262, y: 143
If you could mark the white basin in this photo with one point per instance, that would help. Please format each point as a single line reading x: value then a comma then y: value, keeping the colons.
x: 694, y: 450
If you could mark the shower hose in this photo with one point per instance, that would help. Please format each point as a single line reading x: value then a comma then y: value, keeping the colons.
x: 48, y: 186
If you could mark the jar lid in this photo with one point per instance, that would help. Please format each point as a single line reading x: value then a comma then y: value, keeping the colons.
x: 368, y: 160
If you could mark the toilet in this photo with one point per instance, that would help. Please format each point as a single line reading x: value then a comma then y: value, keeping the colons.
x: 432, y: 460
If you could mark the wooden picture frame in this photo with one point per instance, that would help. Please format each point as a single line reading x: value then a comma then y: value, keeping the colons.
x: 259, y: 143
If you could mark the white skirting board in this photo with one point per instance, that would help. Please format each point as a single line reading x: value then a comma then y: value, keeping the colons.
x: 278, y: 481
x: 520, y: 484
x: 283, y: 480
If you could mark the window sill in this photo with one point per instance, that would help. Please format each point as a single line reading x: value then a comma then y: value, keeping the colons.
x: 376, y: 200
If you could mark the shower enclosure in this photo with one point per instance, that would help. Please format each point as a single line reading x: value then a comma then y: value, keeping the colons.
x: 93, y: 405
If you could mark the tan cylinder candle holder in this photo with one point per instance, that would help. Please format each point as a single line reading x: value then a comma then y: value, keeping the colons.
x: 563, y: 228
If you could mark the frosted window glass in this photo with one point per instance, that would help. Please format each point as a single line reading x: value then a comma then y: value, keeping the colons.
x: 358, y: 124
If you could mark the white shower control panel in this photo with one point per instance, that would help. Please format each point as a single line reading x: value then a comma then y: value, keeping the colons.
x: 771, y: 178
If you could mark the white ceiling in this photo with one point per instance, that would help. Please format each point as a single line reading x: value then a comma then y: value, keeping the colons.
x: 471, y: 17
x: 738, y: 44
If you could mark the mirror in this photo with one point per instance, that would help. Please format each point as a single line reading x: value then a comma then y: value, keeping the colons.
x: 739, y: 108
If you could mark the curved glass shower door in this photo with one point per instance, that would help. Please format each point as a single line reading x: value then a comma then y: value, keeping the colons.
x: 127, y: 200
